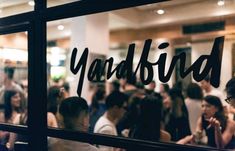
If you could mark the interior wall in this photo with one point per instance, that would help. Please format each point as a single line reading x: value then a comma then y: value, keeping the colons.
x: 204, y: 48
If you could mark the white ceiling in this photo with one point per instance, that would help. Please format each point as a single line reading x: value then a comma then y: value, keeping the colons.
x: 176, y: 12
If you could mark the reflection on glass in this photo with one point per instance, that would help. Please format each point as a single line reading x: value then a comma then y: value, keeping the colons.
x: 110, y: 34
x: 51, y: 3
x: 13, y: 7
x: 13, y: 81
x: 55, y: 144
x: 14, y: 141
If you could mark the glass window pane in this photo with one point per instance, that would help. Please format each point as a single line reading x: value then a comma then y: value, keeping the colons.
x: 13, y: 7
x: 171, y: 25
x: 13, y: 141
x: 14, y: 78
x: 51, y: 3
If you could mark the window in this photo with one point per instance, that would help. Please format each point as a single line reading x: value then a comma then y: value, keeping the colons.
x: 41, y: 43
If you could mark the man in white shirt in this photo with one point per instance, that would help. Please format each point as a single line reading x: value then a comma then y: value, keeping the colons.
x: 208, y: 89
x: 115, y: 103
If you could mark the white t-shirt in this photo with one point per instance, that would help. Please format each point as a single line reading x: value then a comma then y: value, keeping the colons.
x: 194, y: 112
x: 105, y: 126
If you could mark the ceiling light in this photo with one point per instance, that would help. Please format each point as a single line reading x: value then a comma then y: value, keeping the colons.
x: 188, y: 44
x: 60, y: 27
x: 220, y: 2
x: 160, y: 11
x: 0, y: 10
x: 31, y: 3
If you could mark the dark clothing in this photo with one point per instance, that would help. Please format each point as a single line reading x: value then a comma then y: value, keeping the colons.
x: 178, y: 127
x: 130, y: 117
x: 128, y: 120
x: 3, y: 148
x: 210, y: 133
x: 129, y: 93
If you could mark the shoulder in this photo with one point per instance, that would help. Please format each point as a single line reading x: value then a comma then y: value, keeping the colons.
x: 50, y: 115
x: 165, y: 136
x: 51, y: 120
x: 2, y: 118
x: 104, y: 126
x: 231, y: 124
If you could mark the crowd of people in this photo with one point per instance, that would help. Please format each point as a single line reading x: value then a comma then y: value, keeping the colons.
x: 199, y: 115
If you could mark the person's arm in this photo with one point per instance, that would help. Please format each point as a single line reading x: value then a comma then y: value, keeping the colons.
x: 165, y: 136
x: 13, y: 136
x: 51, y: 120
x: 190, y: 138
x: 222, y: 139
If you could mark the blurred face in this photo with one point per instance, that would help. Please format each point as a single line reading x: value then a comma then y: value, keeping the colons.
x: 204, y: 85
x: 120, y: 111
x: 167, y: 101
x: 230, y: 100
x: 208, y: 110
x: 152, y: 86
x: 15, y: 100
x: 122, y: 82
x: 82, y: 122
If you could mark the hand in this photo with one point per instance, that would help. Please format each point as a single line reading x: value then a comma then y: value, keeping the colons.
x: 214, y: 122
x: 186, y: 140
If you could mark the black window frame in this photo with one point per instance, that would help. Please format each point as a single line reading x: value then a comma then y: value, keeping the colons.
x: 34, y: 22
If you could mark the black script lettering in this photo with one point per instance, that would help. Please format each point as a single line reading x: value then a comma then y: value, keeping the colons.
x: 124, y: 68
x: 82, y: 63
x: 145, y: 64
x: 95, y: 70
x: 213, y: 65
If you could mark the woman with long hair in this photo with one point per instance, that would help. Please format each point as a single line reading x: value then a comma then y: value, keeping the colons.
x: 148, y: 126
x: 12, y: 106
x: 12, y: 110
x: 176, y: 119
x: 218, y: 128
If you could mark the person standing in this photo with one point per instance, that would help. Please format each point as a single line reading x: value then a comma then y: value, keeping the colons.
x: 106, y: 124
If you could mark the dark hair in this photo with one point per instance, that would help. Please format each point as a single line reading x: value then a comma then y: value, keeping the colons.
x: 230, y: 87
x: 178, y: 105
x: 116, y: 85
x: 53, y: 99
x: 8, y: 94
x: 9, y: 71
x: 166, y: 87
x: 66, y: 86
x: 148, y: 126
x: 131, y: 80
x: 194, y: 91
x: 98, y: 96
x: 115, y: 98
x: 219, y: 115
x: 72, y: 107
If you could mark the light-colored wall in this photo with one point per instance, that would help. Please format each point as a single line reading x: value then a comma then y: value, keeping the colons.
x: 202, y: 48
